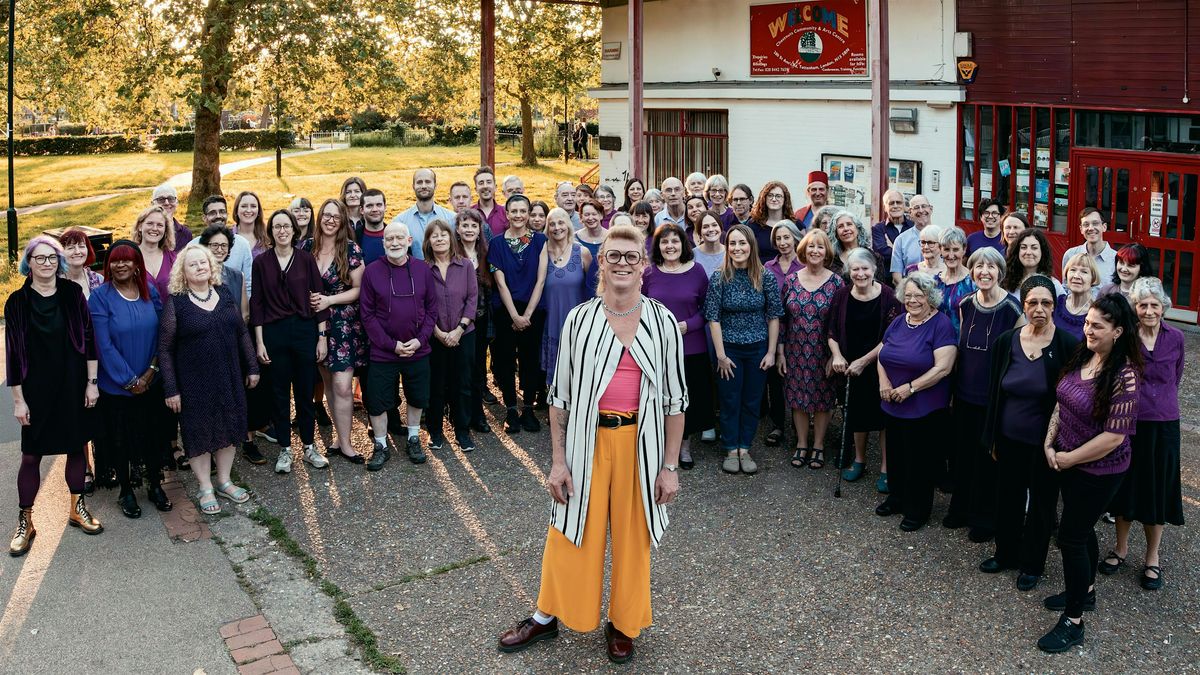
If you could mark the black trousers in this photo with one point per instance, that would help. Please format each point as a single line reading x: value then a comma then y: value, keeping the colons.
x: 518, y: 351
x: 292, y: 346
x: 1024, y: 478
x: 967, y: 455
x: 134, y: 439
x: 1085, y: 498
x: 479, y: 370
x: 914, y: 451
x: 450, y: 383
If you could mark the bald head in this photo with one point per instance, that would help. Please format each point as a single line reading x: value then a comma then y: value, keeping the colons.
x: 672, y: 192
x: 921, y: 210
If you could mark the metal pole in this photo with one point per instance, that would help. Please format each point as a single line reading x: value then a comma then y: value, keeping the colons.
x: 12, y: 193
x: 566, y: 132
x: 880, y: 105
x: 487, y: 83
x: 636, y: 158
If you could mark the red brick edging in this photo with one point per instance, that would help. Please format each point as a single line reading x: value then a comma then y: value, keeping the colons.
x: 184, y: 522
x: 255, y: 648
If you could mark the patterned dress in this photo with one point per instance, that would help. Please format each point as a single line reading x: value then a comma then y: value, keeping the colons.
x: 804, y: 344
x: 344, y: 334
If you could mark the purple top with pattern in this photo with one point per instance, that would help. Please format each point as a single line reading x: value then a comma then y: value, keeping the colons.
x: 907, y: 354
x: 1076, y: 425
x: 683, y: 293
x: 1158, y: 391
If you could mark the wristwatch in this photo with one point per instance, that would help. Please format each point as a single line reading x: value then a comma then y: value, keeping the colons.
x: 93, y: 381
x: 671, y: 467
x: 911, y: 389
x: 153, y: 367
x: 320, y: 333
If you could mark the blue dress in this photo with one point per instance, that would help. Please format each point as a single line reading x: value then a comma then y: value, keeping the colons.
x: 565, y: 288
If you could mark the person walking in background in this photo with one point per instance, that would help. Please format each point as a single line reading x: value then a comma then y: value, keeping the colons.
x: 804, y: 350
x: 51, y: 368
x: 1088, y: 445
x: 1151, y: 492
x: 398, y: 305
x: 290, y: 334
x: 916, y: 358
x: 207, y: 361
x: 859, y: 313
x: 617, y: 418
x: 742, y: 308
x: 452, y: 349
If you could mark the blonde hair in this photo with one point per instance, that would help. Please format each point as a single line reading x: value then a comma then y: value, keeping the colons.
x: 619, y: 233
x: 167, y: 243
x: 817, y: 235
x: 177, y: 283
x: 1086, y: 261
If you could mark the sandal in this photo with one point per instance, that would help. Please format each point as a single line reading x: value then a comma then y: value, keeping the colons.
x: 773, y: 439
x: 1152, y: 583
x: 800, y: 457
x: 233, y: 493
x: 1108, y: 568
x: 209, y: 505
x: 817, y: 462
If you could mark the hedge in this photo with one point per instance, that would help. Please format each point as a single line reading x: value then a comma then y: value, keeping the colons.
x: 454, y: 134
x: 249, y: 139
x: 73, y: 145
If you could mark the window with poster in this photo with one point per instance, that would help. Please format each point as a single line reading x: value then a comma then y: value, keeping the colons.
x: 851, y: 186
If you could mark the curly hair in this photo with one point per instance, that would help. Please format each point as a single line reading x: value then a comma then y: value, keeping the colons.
x: 1115, y: 310
x: 758, y: 213
x: 1016, y: 271
x: 177, y: 282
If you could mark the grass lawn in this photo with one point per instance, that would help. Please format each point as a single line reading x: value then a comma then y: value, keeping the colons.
x: 41, y: 180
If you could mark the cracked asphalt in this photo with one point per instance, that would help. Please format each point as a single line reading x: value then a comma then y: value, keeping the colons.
x: 761, y: 573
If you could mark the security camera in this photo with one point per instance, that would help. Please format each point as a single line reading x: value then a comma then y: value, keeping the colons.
x: 716, y: 72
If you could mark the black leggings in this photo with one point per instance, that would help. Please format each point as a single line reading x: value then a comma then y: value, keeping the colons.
x: 1023, y: 477
x: 29, y: 476
x: 292, y: 345
x: 519, y: 351
x: 1085, y: 497
x: 135, y: 434
x: 479, y: 370
x: 914, y: 450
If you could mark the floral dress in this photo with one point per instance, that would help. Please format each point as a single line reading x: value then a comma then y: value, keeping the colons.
x: 805, y: 349
x: 344, y: 332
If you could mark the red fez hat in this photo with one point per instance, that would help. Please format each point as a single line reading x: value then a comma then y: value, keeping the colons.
x: 818, y: 177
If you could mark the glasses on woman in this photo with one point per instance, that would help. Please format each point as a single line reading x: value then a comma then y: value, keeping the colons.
x: 774, y: 195
x: 218, y: 247
x: 630, y: 257
x: 48, y: 259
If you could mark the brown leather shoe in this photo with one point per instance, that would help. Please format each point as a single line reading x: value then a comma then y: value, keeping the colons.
x: 526, y: 633
x: 620, y: 647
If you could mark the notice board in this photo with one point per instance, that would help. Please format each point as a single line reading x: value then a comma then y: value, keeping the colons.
x: 827, y: 38
x: 851, y: 187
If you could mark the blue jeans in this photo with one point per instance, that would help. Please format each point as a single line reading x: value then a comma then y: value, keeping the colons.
x: 741, y: 396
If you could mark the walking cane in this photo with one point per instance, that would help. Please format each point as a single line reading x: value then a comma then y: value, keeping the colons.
x: 837, y: 492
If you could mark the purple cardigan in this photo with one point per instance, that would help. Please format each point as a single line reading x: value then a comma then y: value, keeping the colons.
x: 835, y: 325
x: 1158, y: 390
x: 16, y: 315
x: 398, y: 303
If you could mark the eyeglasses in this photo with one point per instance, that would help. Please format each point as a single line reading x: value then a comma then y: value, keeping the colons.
x: 740, y: 200
x: 217, y: 214
x: 329, y: 217
x: 218, y: 247
x: 774, y: 195
x: 412, y: 286
x: 928, y: 243
x: 49, y: 259
x: 630, y: 257
x: 165, y: 201
x: 281, y: 227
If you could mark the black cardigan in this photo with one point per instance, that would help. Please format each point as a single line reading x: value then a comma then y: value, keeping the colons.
x: 1054, y: 357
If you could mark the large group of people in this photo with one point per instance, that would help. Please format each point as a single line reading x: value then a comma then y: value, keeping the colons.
x: 636, y: 319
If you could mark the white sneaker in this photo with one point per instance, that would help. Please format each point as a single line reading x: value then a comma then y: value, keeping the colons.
x: 708, y: 435
x: 284, y: 463
x: 316, y: 459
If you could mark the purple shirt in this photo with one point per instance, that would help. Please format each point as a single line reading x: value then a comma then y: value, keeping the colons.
x: 683, y: 293
x: 907, y: 354
x: 398, y: 303
x: 1022, y: 415
x: 497, y: 220
x: 161, y: 280
x: 1064, y: 320
x: 978, y: 240
x: 1076, y: 425
x: 981, y: 327
x: 457, y: 294
x: 780, y: 275
x: 282, y: 295
x: 182, y: 236
x: 1158, y: 388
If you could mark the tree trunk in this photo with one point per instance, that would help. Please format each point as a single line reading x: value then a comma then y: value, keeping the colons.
x: 216, y: 68
x: 528, y: 153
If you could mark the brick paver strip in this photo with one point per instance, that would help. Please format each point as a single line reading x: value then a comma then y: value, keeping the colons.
x: 248, y: 654
x: 184, y: 523
x: 280, y: 663
x: 246, y: 625
x: 250, y: 639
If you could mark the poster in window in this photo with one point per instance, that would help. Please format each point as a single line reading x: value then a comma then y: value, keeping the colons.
x: 853, y: 188
x: 1156, y: 214
x: 827, y: 38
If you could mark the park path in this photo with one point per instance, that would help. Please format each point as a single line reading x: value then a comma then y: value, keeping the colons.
x: 179, y: 181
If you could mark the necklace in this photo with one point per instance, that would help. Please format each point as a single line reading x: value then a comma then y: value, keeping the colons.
x: 908, y: 321
x: 197, y: 298
x: 627, y: 312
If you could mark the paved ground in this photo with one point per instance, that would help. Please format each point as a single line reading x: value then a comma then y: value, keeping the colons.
x: 756, y: 573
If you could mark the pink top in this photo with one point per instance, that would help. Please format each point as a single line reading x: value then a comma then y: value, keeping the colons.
x: 624, y: 390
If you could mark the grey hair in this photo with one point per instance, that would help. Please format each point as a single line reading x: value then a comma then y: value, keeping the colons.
x: 931, y: 231
x: 790, y: 227
x: 716, y: 181
x: 925, y: 282
x: 652, y: 193
x: 863, y: 239
x: 827, y: 211
x: 1149, y: 286
x: 694, y: 175
x: 605, y: 188
x: 951, y: 235
x: 988, y: 254
x: 860, y: 255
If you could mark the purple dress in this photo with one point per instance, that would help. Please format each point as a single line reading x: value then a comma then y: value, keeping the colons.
x: 563, y: 291
x: 805, y: 348
x: 345, y: 336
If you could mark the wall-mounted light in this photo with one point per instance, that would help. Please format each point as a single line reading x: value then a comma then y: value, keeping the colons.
x: 903, y: 120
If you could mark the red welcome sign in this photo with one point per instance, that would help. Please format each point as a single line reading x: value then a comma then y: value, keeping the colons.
x: 809, y: 38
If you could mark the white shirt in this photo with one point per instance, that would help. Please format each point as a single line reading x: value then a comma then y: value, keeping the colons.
x: 1106, y: 261
x: 587, y: 360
